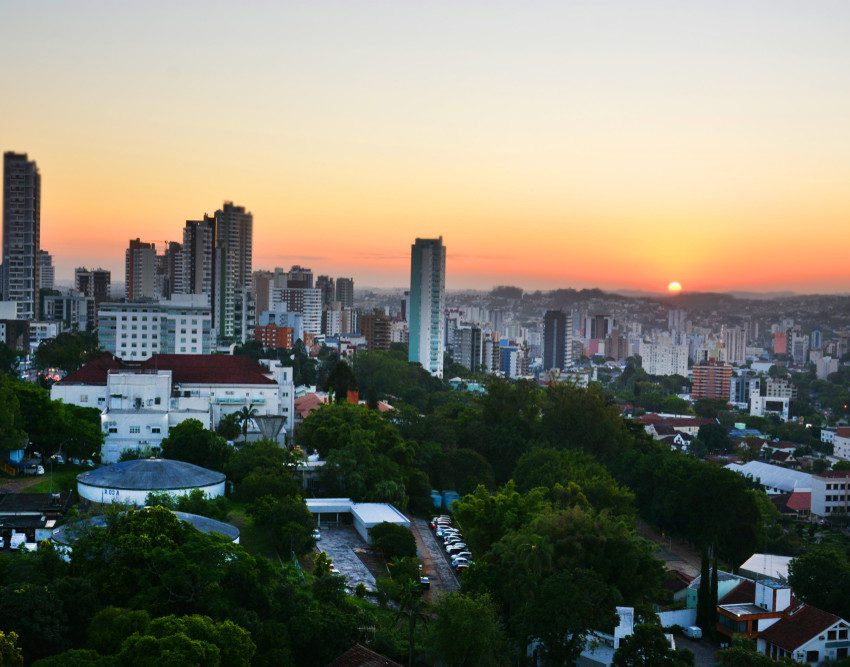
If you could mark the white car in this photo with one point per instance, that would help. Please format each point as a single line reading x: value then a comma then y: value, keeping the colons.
x: 317, y: 534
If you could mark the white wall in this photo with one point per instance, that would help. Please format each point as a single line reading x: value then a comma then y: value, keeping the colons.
x: 102, y: 495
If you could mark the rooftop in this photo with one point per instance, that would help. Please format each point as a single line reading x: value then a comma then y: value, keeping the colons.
x: 768, y: 565
x: 68, y: 533
x: 150, y: 474
x: 774, y: 476
x: 798, y: 627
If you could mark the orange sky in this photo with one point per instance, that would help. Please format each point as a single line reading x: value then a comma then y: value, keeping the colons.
x: 552, y: 144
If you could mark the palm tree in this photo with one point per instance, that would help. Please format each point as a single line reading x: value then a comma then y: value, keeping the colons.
x: 246, y: 414
x: 229, y: 426
x: 413, y: 609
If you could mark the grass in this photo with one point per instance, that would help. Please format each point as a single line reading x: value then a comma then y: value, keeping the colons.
x: 64, y: 478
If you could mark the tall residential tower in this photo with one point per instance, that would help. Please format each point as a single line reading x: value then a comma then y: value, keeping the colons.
x: 427, y: 304
x: 21, y: 233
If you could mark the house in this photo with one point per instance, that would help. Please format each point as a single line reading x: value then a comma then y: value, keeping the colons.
x: 796, y: 503
x: 678, y: 441
x: 140, y: 401
x: 807, y: 635
x: 360, y: 656
x: 683, y: 424
x: 750, y: 618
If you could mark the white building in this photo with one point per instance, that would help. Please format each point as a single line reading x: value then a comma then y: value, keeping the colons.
x: 427, y: 304
x: 306, y: 301
x: 364, y: 516
x: 841, y: 447
x: 807, y: 635
x: 137, y: 331
x: 775, y: 479
x: 831, y: 493
x: 664, y: 358
x: 141, y: 401
x: 776, y: 400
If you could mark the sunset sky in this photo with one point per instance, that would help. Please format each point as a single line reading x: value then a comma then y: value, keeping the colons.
x: 552, y: 144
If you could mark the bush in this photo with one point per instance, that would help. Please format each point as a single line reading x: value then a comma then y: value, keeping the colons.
x: 394, y: 541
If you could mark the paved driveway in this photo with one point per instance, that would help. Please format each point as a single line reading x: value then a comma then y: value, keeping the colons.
x: 339, y: 543
x: 703, y: 650
x: 443, y: 580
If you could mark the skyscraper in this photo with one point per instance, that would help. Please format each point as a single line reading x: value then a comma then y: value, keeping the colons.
x: 96, y: 283
x: 345, y: 292
x: 140, y: 271
x: 326, y: 284
x: 46, y: 271
x: 197, y: 256
x: 554, y: 339
x: 21, y: 233
x: 427, y: 303
x: 232, y: 266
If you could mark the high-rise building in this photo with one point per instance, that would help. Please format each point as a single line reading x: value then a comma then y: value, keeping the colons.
x: 21, y: 233
x: 299, y: 277
x: 345, y: 292
x: 816, y: 339
x: 197, y: 255
x: 616, y: 345
x: 96, y: 283
x: 735, y: 342
x: 232, y: 267
x: 307, y: 301
x: 469, y: 348
x: 597, y: 327
x: 46, y: 271
x: 74, y: 310
x: 554, y: 339
x: 664, y: 357
x: 326, y: 284
x: 262, y: 282
x: 377, y: 329
x: 427, y: 303
x: 140, y: 271
x: 169, y: 270
x: 711, y: 380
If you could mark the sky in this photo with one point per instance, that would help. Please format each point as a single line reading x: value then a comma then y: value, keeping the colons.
x: 551, y: 144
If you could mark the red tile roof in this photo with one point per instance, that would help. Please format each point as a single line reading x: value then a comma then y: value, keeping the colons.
x: 653, y: 418
x: 305, y: 404
x: 360, y: 656
x: 801, y: 625
x: 185, y: 369
x: 800, y: 501
x: 843, y: 431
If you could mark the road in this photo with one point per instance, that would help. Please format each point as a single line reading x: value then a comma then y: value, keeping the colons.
x: 675, y: 554
x: 443, y: 580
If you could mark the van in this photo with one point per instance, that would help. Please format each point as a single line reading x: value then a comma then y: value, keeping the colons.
x: 693, y: 631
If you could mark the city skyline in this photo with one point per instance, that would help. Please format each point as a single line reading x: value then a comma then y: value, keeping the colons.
x: 568, y: 147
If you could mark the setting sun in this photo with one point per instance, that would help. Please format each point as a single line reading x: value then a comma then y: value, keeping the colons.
x: 675, y: 287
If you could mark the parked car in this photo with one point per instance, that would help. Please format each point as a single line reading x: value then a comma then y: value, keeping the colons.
x: 452, y: 540
x: 446, y: 533
x: 33, y: 469
x: 76, y: 461
x: 425, y: 582
x: 459, y: 555
x: 39, y: 470
x: 89, y: 463
x: 335, y: 569
x: 693, y: 631
x: 455, y: 548
x: 317, y: 534
x: 58, y: 458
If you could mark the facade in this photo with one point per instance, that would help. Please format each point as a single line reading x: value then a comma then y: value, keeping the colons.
x: 141, y: 400
x: 232, y: 270
x: 735, y: 342
x: 326, y: 284
x: 198, y: 250
x: 140, y: 281
x: 169, y: 270
x: 711, y: 380
x: 469, y: 348
x: 307, y: 301
x: 555, y: 339
x: 46, y: 270
x: 345, y: 292
x: 664, y: 358
x: 21, y: 233
x: 377, y: 329
x: 137, y: 331
x: 427, y: 303
x: 831, y: 493
x: 74, y: 310
x: 273, y: 337
x: 807, y: 635
x: 96, y: 283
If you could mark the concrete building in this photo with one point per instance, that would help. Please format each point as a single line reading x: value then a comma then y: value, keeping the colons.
x: 363, y: 516
x: 831, y: 493
x: 307, y: 301
x: 556, y: 333
x: 427, y: 304
x: 232, y: 268
x: 345, y: 292
x: 74, y: 310
x: 326, y: 284
x: 132, y: 481
x: 735, y: 343
x: 140, y: 282
x: 137, y: 331
x: 46, y: 270
x: 281, y: 317
x: 21, y: 234
x: 377, y: 329
x: 664, y: 357
x: 825, y: 366
x: 469, y: 348
x: 141, y: 400
x: 169, y: 271
x: 273, y: 337
x: 711, y: 380
x: 96, y: 283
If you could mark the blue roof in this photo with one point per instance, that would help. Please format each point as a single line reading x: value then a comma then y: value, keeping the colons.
x: 150, y: 475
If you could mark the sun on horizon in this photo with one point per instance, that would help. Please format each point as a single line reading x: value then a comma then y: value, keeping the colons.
x: 674, y: 287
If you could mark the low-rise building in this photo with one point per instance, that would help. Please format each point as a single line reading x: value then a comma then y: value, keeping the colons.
x: 831, y: 493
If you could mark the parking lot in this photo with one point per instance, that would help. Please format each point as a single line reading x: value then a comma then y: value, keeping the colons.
x: 443, y: 580
x: 339, y: 542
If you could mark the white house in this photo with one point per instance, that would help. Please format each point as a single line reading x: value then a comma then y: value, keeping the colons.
x: 807, y: 635
x: 831, y: 493
x: 141, y: 401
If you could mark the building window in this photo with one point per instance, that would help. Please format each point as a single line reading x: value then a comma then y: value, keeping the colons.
x: 135, y: 429
x: 155, y: 429
x: 84, y: 398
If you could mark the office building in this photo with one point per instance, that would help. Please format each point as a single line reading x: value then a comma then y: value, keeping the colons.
x: 427, y: 303
x: 376, y: 328
x: 46, y: 271
x: 21, y: 233
x: 96, y: 283
x: 136, y: 331
x: 816, y: 340
x: 616, y: 345
x: 711, y: 380
x: 345, y: 292
x: 554, y: 339
x: 597, y: 327
x: 140, y: 282
x: 74, y: 310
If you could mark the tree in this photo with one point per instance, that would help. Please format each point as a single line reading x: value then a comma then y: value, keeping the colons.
x: 714, y: 437
x: 412, y: 610
x: 112, y: 625
x: 12, y: 435
x: 704, y: 596
x: 393, y: 540
x: 246, y: 414
x: 228, y: 426
x: 10, y: 652
x: 9, y: 359
x: 189, y: 441
x: 287, y: 521
x: 821, y: 577
x: 67, y: 352
x: 474, y: 618
x: 341, y: 380
x: 710, y: 407
x: 648, y: 647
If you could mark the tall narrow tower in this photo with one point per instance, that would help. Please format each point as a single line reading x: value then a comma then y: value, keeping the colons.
x: 427, y: 304
x: 21, y: 233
